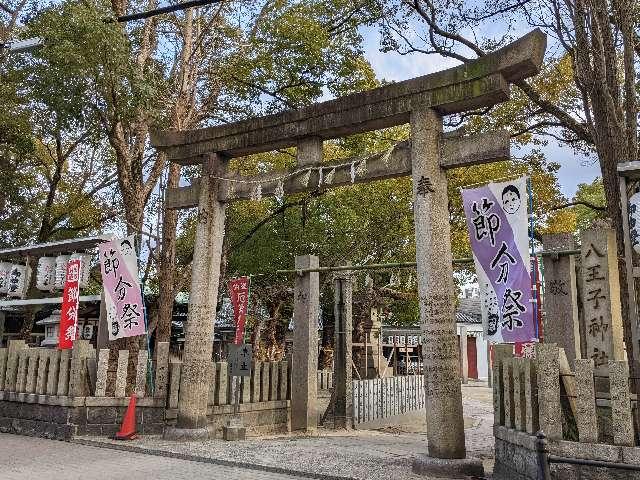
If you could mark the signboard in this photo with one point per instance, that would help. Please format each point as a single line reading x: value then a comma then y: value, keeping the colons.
x: 498, y: 230
x: 634, y: 221
x: 402, y: 340
x: 123, y: 297
x: 239, y: 359
x: 525, y: 350
x: 239, y: 291
x: 70, y: 300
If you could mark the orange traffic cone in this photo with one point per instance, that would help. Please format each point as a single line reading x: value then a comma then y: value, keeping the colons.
x: 128, y: 428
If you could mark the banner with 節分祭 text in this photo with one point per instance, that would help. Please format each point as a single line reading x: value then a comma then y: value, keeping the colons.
x: 498, y: 230
x: 122, y: 294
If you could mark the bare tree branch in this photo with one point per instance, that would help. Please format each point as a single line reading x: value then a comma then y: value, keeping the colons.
x: 584, y: 203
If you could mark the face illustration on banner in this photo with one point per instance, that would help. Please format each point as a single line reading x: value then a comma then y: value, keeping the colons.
x: 126, y: 248
x: 511, y: 199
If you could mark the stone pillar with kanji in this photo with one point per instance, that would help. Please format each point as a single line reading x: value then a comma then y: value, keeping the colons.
x: 445, y: 427
x: 304, y: 364
x: 602, y: 319
x: 561, y: 325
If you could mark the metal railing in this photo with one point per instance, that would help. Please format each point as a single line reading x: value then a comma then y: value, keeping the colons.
x: 545, y: 459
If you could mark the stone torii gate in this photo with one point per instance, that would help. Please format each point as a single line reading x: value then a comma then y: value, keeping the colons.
x: 426, y: 157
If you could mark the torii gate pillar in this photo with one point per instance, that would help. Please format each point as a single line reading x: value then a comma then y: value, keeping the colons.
x: 195, y: 379
x: 445, y: 425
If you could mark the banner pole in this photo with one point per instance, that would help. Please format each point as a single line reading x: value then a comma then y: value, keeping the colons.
x: 137, y: 240
x: 244, y: 334
x: 533, y: 264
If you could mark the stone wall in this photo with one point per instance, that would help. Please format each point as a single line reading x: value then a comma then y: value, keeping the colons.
x: 579, y: 420
x: 260, y: 418
x: 63, y: 418
x: 516, y: 458
x: 269, y: 381
x: 63, y: 394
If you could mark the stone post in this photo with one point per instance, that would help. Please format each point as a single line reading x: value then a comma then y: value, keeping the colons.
x: 531, y: 396
x: 621, y: 418
x: 304, y: 364
x: 3, y: 366
x: 43, y: 370
x: 101, y: 372
x: 11, y: 375
x: 2, y: 321
x: 586, y: 417
x: 507, y: 381
x: 443, y: 392
x: 464, y: 360
x: 52, y: 374
x: 284, y: 380
x: 561, y: 325
x: 601, y: 298
x: 343, y: 361
x: 519, y: 401
x: 194, y: 381
x: 121, y: 373
x: 549, y: 390
x: 32, y: 370
x: 141, y: 374
x: 162, y: 369
x: 78, y: 384
x: 63, y: 373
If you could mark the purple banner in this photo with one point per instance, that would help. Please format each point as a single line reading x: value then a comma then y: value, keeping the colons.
x: 497, y: 223
x: 122, y: 294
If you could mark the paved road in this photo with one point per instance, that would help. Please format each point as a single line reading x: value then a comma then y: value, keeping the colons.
x: 27, y: 458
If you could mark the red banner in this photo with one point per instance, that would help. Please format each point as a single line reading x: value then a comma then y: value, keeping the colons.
x: 239, y: 290
x: 70, y: 299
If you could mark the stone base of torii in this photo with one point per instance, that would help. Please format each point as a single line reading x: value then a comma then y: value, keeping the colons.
x: 421, y: 102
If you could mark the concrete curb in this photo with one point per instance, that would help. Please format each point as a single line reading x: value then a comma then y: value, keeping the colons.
x: 213, y: 461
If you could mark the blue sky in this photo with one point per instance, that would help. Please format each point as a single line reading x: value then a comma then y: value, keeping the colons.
x: 574, y: 168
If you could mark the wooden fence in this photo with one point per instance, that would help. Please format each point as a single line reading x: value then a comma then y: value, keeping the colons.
x: 384, y: 397
x: 543, y: 394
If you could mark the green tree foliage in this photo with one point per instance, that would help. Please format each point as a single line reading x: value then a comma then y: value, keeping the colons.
x: 590, y: 203
x: 101, y: 87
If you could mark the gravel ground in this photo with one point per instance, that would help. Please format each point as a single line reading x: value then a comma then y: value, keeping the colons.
x: 65, y: 461
x: 382, y: 451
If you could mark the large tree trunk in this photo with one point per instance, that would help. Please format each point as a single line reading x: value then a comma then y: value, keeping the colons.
x: 182, y: 117
x: 166, y: 272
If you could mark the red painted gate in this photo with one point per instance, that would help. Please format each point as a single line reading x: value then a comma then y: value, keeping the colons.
x: 472, y: 357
